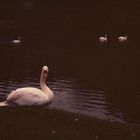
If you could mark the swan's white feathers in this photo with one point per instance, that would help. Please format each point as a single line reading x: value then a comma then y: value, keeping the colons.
x: 103, y: 39
x: 45, y: 68
x: 122, y: 38
x: 27, y: 96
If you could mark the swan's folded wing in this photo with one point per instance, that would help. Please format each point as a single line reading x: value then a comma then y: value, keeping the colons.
x: 23, y: 97
x: 13, y: 96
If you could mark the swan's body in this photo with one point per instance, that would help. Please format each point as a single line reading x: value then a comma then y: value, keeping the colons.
x: 16, y: 41
x: 103, y: 39
x: 122, y: 38
x: 30, y: 96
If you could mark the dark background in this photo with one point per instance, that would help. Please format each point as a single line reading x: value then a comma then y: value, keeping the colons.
x: 66, y: 33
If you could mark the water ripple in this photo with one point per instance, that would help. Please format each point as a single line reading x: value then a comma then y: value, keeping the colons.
x: 69, y: 97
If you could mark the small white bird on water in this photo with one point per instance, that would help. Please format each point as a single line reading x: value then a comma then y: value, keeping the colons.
x: 122, y: 38
x: 30, y: 96
x: 103, y: 38
x: 16, y: 41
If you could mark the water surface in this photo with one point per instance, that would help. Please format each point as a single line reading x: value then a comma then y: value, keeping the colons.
x: 87, y: 77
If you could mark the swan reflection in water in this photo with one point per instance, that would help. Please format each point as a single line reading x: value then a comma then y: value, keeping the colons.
x: 30, y: 96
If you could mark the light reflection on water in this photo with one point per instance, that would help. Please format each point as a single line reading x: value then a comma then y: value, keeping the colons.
x: 93, y: 82
x: 70, y: 97
x: 86, y: 101
x: 94, y: 79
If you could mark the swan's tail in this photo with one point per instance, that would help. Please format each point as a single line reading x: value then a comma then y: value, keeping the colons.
x: 3, y: 104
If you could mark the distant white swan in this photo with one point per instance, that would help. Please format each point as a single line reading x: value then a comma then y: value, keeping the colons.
x: 16, y: 41
x: 30, y: 96
x: 103, y: 39
x: 122, y: 38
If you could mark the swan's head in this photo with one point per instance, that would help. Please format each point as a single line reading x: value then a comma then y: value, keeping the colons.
x: 45, y: 71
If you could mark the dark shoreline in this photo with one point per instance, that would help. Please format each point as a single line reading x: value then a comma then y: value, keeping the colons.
x: 40, y: 123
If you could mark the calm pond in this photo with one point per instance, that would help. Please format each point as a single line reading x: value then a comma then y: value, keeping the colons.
x: 87, y: 77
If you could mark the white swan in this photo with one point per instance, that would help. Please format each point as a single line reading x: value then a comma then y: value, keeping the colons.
x: 16, y: 41
x: 30, y: 96
x: 122, y: 38
x: 103, y: 39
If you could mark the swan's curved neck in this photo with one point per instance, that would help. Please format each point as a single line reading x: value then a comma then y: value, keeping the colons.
x: 44, y: 87
x: 43, y: 83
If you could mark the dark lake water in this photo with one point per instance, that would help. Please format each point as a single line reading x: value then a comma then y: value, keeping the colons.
x: 87, y: 77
